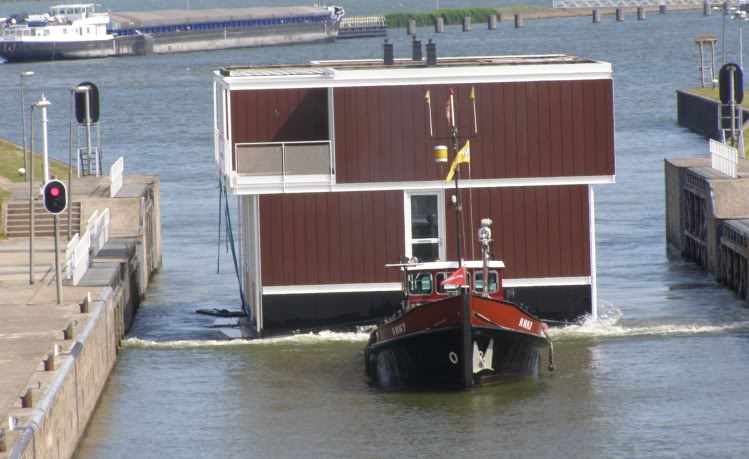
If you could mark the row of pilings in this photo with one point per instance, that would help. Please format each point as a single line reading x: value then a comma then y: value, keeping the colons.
x: 519, y: 20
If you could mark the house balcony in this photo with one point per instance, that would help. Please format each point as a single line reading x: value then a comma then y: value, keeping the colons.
x: 282, y: 167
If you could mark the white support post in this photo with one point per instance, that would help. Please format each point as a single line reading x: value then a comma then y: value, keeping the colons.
x: 593, y: 286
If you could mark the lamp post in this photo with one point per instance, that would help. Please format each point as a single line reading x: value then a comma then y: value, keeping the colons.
x: 726, y: 11
x: 23, y: 75
x: 740, y: 16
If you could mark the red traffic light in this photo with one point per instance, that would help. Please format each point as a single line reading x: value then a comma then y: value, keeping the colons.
x: 55, y: 197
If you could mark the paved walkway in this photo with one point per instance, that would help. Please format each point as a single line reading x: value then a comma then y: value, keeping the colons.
x: 31, y: 321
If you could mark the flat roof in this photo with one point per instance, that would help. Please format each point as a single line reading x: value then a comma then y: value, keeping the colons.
x: 358, y: 72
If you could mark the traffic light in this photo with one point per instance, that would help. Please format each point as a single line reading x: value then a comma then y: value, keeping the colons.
x: 55, y: 197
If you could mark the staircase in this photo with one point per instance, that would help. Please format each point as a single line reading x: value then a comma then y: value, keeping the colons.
x: 18, y: 220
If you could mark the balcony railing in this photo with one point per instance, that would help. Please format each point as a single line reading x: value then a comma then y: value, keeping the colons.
x: 285, y: 163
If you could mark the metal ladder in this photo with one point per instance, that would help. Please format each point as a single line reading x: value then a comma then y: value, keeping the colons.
x: 731, y: 120
x: 89, y: 163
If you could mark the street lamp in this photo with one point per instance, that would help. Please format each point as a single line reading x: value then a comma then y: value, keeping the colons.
x: 23, y: 75
x: 726, y: 11
x: 740, y: 16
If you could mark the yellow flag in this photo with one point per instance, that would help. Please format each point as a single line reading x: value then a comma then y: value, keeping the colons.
x: 463, y: 156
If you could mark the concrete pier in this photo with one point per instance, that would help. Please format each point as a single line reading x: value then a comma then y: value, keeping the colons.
x: 619, y: 15
x: 596, y: 16
x: 519, y: 21
x: 411, y: 29
x: 662, y: 9
x: 439, y: 25
x: 707, y: 218
x: 55, y: 358
x: 492, y: 22
x: 641, y: 16
x: 466, y: 23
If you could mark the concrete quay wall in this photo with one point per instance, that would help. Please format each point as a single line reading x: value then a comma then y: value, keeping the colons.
x: 699, y: 113
x: 707, y: 218
x: 55, y: 406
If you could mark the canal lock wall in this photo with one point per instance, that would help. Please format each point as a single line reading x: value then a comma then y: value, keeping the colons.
x: 66, y: 386
x: 707, y: 212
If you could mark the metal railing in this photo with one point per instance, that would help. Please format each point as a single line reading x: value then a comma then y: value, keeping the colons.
x: 724, y: 158
x: 283, y: 162
x: 362, y: 21
x: 80, y: 249
x: 115, y: 176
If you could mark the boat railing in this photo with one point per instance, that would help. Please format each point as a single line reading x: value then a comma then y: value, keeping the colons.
x: 285, y: 163
x: 362, y: 21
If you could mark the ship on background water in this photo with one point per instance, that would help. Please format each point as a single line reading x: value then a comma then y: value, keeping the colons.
x: 78, y: 31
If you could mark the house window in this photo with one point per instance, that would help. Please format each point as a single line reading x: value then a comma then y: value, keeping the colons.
x: 424, y: 226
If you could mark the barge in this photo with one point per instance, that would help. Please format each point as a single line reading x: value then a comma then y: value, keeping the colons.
x: 78, y: 31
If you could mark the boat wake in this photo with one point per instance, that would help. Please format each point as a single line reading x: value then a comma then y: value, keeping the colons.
x: 608, y: 326
x: 298, y: 339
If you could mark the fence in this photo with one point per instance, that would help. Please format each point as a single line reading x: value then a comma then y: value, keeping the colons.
x: 724, y: 158
x: 115, y: 176
x: 80, y: 249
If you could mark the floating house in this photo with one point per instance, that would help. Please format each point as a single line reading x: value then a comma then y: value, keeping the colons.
x: 332, y: 164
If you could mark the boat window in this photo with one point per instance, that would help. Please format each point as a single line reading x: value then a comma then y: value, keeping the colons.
x: 449, y: 288
x: 46, y: 32
x: 479, y: 281
x: 419, y: 283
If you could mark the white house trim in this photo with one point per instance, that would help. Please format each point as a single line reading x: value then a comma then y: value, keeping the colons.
x: 546, y: 281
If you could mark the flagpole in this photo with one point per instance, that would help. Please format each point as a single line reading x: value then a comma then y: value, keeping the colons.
x: 458, y: 209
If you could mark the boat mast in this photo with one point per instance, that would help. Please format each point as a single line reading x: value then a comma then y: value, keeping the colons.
x: 456, y: 196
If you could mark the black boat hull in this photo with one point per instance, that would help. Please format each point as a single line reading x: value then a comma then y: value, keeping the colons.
x: 52, y: 51
x: 434, y: 358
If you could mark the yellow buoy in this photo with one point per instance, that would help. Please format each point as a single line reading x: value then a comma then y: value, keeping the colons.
x: 440, y: 154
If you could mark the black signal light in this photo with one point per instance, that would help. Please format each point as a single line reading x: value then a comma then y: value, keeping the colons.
x: 55, y: 197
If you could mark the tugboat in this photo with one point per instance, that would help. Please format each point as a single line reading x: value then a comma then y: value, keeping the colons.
x: 454, y: 328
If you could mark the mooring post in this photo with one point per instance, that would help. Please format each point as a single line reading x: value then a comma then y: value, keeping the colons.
x: 640, y: 13
x: 706, y: 10
x: 662, y: 9
x: 596, y: 16
x: 411, y: 29
x: 518, y: 21
x: 466, y: 23
x: 492, y: 22
x: 619, y: 15
x: 439, y: 24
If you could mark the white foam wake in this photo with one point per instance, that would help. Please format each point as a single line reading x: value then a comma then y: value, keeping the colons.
x: 607, y: 326
x: 302, y: 338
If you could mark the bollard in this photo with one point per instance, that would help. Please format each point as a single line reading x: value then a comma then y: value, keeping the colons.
x: 3, y: 442
x: 492, y: 22
x: 49, y: 363
x: 416, y: 50
x: 68, y: 332
x: 662, y: 9
x: 619, y: 15
x: 466, y: 23
x: 596, y: 16
x: 706, y: 10
x: 439, y: 24
x: 640, y: 13
x: 411, y: 29
x: 518, y: 21
x: 27, y: 399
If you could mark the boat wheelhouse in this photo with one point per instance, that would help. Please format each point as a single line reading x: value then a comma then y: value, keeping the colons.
x: 333, y: 169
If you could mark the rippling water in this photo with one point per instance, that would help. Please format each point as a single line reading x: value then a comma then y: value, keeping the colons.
x: 663, y: 373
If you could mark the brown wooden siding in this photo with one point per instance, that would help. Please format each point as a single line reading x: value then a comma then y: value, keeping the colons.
x: 279, y: 115
x: 538, y: 231
x: 345, y: 238
x: 525, y: 129
x: 331, y: 238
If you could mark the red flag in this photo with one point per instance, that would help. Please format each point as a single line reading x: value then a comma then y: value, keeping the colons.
x: 458, y: 277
